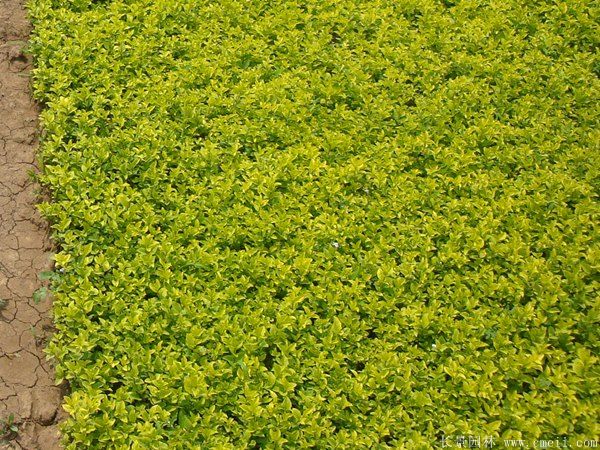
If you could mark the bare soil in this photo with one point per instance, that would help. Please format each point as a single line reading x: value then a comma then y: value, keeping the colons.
x: 29, y: 399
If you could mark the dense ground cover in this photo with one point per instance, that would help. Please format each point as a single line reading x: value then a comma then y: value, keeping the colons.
x: 322, y: 224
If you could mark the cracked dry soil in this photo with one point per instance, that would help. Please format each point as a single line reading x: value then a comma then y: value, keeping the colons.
x: 27, y: 389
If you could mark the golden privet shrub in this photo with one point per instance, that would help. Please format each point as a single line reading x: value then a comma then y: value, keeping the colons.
x: 322, y: 224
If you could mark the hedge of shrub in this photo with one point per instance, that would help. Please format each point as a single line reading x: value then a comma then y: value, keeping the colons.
x: 322, y: 224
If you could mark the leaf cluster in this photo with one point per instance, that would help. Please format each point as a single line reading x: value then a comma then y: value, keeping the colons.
x: 322, y: 224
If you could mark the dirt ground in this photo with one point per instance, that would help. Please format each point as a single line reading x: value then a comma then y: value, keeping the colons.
x: 29, y: 400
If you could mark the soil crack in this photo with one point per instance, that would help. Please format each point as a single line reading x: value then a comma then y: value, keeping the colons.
x: 29, y: 400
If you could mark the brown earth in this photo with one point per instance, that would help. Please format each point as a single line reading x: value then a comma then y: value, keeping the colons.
x: 29, y: 400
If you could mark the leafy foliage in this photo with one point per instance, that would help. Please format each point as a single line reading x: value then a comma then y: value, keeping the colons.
x: 8, y: 429
x: 322, y: 224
